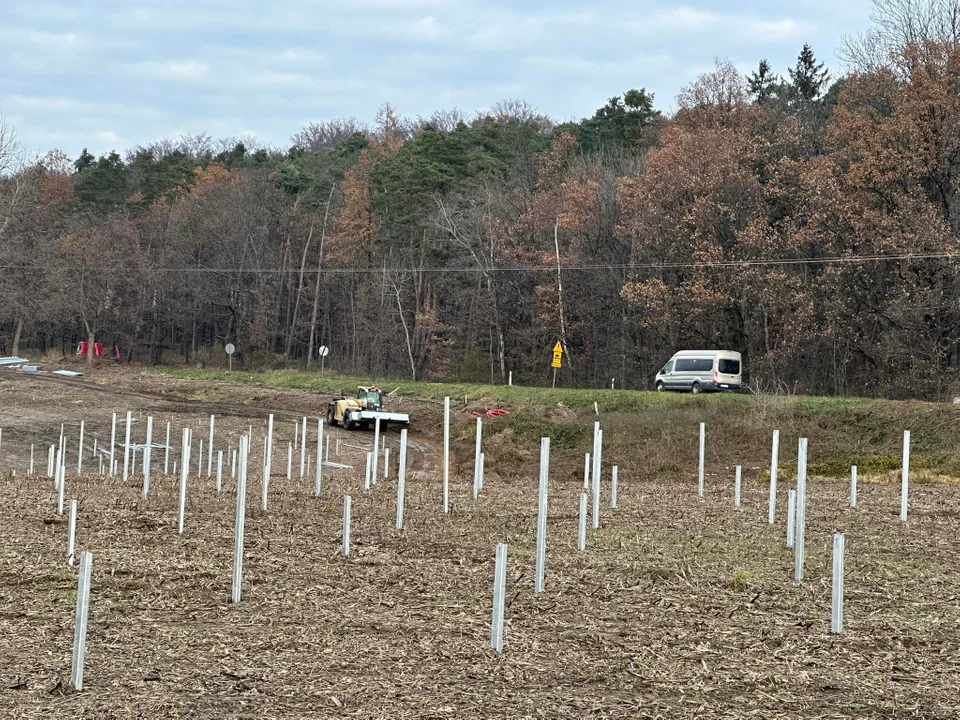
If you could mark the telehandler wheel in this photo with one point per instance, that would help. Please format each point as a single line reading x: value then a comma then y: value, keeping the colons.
x: 331, y: 416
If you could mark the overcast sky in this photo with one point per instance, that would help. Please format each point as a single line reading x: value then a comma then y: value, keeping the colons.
x: 112, y: 74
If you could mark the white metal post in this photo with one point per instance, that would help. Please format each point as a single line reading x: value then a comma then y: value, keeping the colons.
x: 800, y: 530
x: 31, y: 460
x: 289, y: 460
x: 905, y: 476
x: 476, y: 459
x: 147, y: 457
x: 268, y: 454
x: 80, y: 450
x: 542, y: 514
x: 80, y: 626
x: 346, y: 525
x: 219, y: 470
x: 774, y: 462
x: 586, y: 471
x: 836, y: 605
x: 126, y: 447
x: 499, y: 597
x: 239, y: 521
x: 166, y: 453
x: 376, y: 451
x: 401, y: 478
x: 62, y: 474
x: 184, y: 472
x: 446, y: 455
x: 265, y: 487
x: 614, y: 481
x: 113, y: 443
x: 582, y: 537
x: 318, y: 482
x: 703, y: 446
x: 386, y: 463
x: 791, y: 517
x: 366, y: 475
x: 303, y: 450
x: 736, y: 487
x: 72, y: 531
x: 200, y: 459
x: 210, y: 449
x: 853, y: 486
x: 597, y: 444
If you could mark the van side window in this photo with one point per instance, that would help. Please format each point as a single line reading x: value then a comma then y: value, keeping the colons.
x: 694, y: 364
x: 729, y: 367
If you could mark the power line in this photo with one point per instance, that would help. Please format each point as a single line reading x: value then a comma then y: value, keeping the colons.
x: 718, y: 264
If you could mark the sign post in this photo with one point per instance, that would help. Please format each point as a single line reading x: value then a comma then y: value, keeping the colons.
x: 557, y: 361
x: 231, y: 349
x: 322, y: 351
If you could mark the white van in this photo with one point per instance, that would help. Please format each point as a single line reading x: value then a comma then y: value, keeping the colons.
x: 700, y: 371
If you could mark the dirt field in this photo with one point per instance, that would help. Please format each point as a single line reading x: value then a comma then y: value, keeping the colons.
x: 680, y: 608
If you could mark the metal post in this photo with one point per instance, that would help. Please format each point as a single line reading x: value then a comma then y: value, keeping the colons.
x: 200, y: 459
x: 210, y: 449
x: 401, y: 477
x: 289, y: 460
x: 113, y: 442
x: 31, y: 460
x: 800, y: 530
x: 598, y: 451
x: 147, y: 457
x: 239, y: 521
x: 476, y: 459
x: 166, y: 453
x: 346, y: 525
x: 184, y: 472
x: 80, y: 449
x: 126, y: 448
x: 219, y: 470
x: 366, y: 476
x: 791, y: 517
x: 905, y: 476
x: 836, y: 605
x: 736, y: 487
x: 542, y: 514
x: 376, y: 451
x: 774, y: 462
x: 318, y: 481
x: 62, y: 475
x: 72, y: 532
x: 614, y: 472
x: 446, y: 455
x: 853, y: 486
x: 499, y: 597
x: 582, y: 538
x: 703, y: 446
x: 80, y: 626
x: 386, y: 463
x: 303, y: 449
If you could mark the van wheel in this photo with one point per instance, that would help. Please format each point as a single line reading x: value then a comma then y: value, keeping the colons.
x: 660, y: 387
x: 696, y: 389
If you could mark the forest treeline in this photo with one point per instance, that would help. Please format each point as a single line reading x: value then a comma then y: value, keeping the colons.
x: 808, y: 221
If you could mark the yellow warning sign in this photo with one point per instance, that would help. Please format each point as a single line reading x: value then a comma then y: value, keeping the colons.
x: 557, y: 356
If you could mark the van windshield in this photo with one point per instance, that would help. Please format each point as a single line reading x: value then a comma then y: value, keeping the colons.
x: 729, y: 367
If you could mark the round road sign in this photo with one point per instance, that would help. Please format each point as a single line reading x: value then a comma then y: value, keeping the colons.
x: 230, y: 349
x: 323, y: 351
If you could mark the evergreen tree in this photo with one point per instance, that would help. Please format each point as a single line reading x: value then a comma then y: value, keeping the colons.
x: 808, y: 78
x: 763, y: 83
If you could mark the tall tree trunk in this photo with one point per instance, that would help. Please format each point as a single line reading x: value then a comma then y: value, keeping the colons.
x: 16, y: 337
x: 296, y: 308
x: 316, y: 287
x: 563, y: 324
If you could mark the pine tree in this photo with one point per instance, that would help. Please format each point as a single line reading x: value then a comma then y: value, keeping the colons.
x: 762, y: 83
x: 808, y: 78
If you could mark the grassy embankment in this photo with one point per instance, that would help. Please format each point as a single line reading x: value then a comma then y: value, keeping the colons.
x: 655, y: 434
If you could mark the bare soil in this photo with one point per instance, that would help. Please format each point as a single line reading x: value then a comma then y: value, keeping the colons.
x: 679, y: 608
